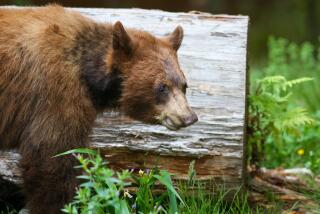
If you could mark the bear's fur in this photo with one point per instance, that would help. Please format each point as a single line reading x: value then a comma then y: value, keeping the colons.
x: 58, y: 70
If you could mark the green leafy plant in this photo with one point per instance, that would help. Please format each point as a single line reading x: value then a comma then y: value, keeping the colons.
x: 102, y: 190
x: 105, y: 191
x: 295, y: 61
x: 145, y: 199
x: 272, y: 119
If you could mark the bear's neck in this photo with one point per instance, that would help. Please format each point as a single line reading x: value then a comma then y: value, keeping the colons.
x: 101, y: 80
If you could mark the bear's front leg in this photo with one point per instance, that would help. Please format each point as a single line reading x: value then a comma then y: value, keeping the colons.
x: 49, y: 183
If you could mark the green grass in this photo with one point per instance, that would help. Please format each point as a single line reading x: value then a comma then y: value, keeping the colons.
x: 204, y: 203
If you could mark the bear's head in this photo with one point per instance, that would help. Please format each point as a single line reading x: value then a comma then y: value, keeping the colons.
x: 154, y: 86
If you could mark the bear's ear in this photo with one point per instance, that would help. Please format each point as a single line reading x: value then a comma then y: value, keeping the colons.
x: 121, y: 40
x: 175, y: 38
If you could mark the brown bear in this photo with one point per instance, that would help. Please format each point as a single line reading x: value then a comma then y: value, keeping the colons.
x: 58, y: 70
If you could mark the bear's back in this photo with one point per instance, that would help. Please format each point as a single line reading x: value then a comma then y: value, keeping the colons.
x: 39, y: 80
x: 46, y: 31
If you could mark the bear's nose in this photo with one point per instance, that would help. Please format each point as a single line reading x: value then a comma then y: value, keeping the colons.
x: 191, y: 119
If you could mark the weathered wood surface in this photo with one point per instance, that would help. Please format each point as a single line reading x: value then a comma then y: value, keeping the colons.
x: 9, y: 169
x: 213, y: 57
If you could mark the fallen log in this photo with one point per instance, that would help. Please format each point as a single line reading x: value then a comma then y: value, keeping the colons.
x: 289, y: 187
x: 213, y: 56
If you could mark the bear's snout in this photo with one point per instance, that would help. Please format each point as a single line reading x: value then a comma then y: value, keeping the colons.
x: 190, y: 119
x: 176, y: 112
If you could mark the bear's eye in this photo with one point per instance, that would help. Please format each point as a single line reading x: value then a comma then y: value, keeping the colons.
x: 162, y: 88
x: 162, y: 92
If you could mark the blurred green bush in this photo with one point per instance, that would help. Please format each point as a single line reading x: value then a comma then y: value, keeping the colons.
x: 273, y: 107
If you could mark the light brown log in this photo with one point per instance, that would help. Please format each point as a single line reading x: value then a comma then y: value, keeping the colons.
x: 213, y: 57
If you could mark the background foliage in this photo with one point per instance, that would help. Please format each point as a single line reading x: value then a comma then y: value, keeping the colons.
x: 281, y: 107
